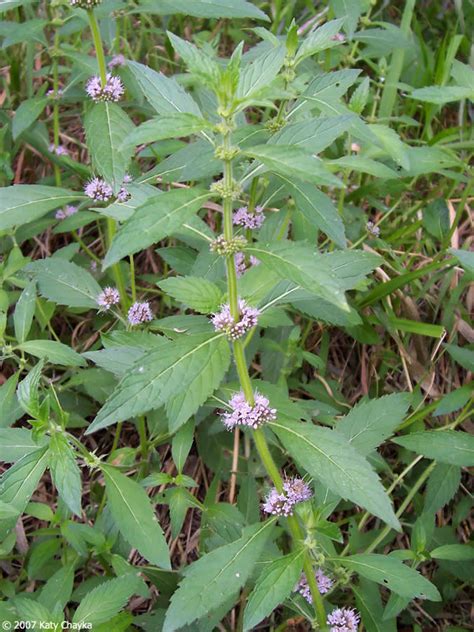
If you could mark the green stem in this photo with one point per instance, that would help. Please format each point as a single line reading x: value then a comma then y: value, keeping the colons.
x: 116, y: 269
x: 57, y: 170
x: 99, y: 49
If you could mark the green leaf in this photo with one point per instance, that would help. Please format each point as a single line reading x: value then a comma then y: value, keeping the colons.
x: 153, y: 221
x: 7, y: 511
x: 442, y: 94
x: 209, y: 582
x: 462, y: 355
x: 15, y: 443
x: 275, y: 584
x: 318, y: 209
x: 436, y: 218
x: 163, y: 93
x: 18, y: 484
x: 180, y: 500
x: 315, y: 134
x: 443, y: 483
x: 205, y: 8
x: 10, y: 410
x: 350, y: 11
x: 370, y: 606
x: 371, y: 421
x: 390, y: 572
x: 446, y: 446
x: 164, y: 127
x: 465, y: 258
x: 106, y: 600
x: 198, y: 62
x: 181, y: 445
x: 320, y: 39
x: 24, y: 203
x: 24, y: 311
x: 299, y: 263
x: 133, y: 514
x: 364, y: 165
x: 453, y: 552
x: 201, y: 295
x: 28, y: 390
x: 168, y: 371
x: 54, y: 352
x: 329, y: 457
x: 26, y: 114
x: 65, y: 472
x: 106, y: 126
x: 65, y: 283
x: 58, y: 588
x: 260, y: 72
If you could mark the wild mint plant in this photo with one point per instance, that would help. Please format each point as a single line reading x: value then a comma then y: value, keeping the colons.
x: 225, y: 227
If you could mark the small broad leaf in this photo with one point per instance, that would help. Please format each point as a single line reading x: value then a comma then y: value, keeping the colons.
x: 58, y: 588
x: 106, y: 126
x: 52, y: 351
x: 453, y: 552
x: 315, y: 134
x: 163, y: 127
x: 201, y: 295
x: 370, y: 606
x: 65, y: 472
x: 15, y: 443
x: 24, y: 311
x: 442, y: 94
x: 24, y: 203
x: 181, y: 444
x: 9, y: 406
x: 26, y: 114
x: 393, y: 574
x: 443, y: 483
x: 134, y: 517
x: 371, y: 421
x: 260, y: 72
x: 209, y: 582
x: 197, y: 61
x: 274, y: 585
x: 106, y: 600
x: 153, y: 221
x: 320, y: 39
x: 447, y: 446
x: 329, y: 457
x: 163, y: 373
x: 65, y: 283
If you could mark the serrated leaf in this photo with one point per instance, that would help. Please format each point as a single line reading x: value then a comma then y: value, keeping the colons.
x: 26, y: 114
x: 52, y: 351
x: 10, y: 409
x: 274, y: 585
x: 65, y: 283
x: 448, y: 446
x: 329, y: 457
x: 392, y: 573
x: 443, y: 483
x: 156, y: 219
x: 15, y: 443
x: 197, y: 61
x: 65, y: 472
x: 370, y: 606
x: 181, y: 445
x: 106, y: 125
x: 133, y: 514
x: 163, y: 93
x: 24, y: 311
x: 164, y: 127
x: 210, y: 581
x: 371, y: 421
x: 164, y: 373
x: 58, y: 588
x: 106, y: 600
x: 201, y: 295
x: 315, y: 134
x: 320, y: 39
x: 24, y: 203
x: 350, y: 11
x: 260, y: 72
x: 205, y: 8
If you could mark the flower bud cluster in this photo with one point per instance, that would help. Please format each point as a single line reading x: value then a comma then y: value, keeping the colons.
x: 228, y: 247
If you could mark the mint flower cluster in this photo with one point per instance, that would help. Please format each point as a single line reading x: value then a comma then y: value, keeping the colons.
x: 295, y: 491
x: 108, y: 297
x: 97, y: 189
x: 244, y: 414
x: 343, y: 620
x: 67, y: 211
x: 242, y: 264
x: 324, y: 582
x: 235, y: 329
x: 248, y: 219
x: 113, y: 89
x: 139, y: 313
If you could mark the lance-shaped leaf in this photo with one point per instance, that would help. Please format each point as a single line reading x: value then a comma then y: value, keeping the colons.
x: 204, y: 8
x: 65, y: 283
x: 313, y: 135
x: 106, y: 126
x: 24, y: 312
x: 153, y: 221
x: 210, y: 581
x: 199, y: 294
x: 447, y: 446
x: 163, y: 93
x: 393, y: 574
x: 299, y: 263
x: 163, y: 127
x: 164, y: 373
x: 320, y: 39
x: 15, y: 443
x: 23, y: 203
x: 103, y: 602
x: 260, y: 72
x: 133, y: 514
x: 65, y: 472
x: 330, y: 458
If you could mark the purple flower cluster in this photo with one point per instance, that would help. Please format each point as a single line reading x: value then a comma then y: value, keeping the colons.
x: 343, y: 620
x: 66, y: 212
x: 117, y: 60
x: 295, y: 491
x: 324, y: 582
x: 52, y: 94
x: 243, y: 414
x: 235, y: 329
x: 123, y: 195
x: 60, y: 150
x: 139, y: 313
x: 243, y: 217
x: 85, y: 4
x: 112, y: 91
x: 242, y: 265
x: 373, y: 229
x: 108, y: 297
x: 98, y: 189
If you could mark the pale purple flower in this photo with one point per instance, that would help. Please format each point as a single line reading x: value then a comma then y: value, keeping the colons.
x: 98, y: 189
x: 373, y: 229
x: 295, y: 491
x: 343, y: 620
x: 339, y: 37
x: 242, y: 265
x: 108, y: 297
x: 243, y: 217
x: 93, y: 266
x: 139, y: 313
x: 127, y: 178
x: 244, y: 414
x: 60, y: 150
x: 117, y: 60
x: 235, y: 329
x: 66, y: 212
x: 85, y: 4
x: 52, y: 94
x: 324, y: 582
x: 123, y: 195
x: 112, y: 91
